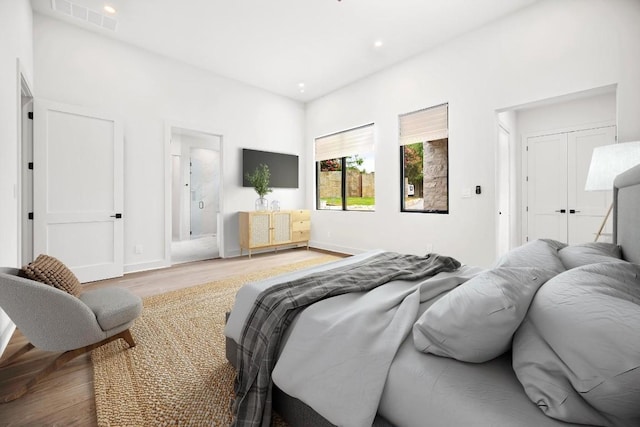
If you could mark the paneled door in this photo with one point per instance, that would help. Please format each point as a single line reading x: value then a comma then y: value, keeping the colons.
x: 547, y: 187
x: 557, y: 206
x: 586, y: 208
x: 78, y: 189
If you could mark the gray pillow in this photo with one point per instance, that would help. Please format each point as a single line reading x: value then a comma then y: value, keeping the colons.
x: 541, y: 253
x: 577, y: 354
x: 476, y: 321
x: 589, y: 253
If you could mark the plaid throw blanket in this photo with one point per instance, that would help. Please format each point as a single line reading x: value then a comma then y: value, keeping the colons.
x: 276, y: 307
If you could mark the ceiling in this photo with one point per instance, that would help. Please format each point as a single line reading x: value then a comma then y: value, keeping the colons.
x: 279, y: 44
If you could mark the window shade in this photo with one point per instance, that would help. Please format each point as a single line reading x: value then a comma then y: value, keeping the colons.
x: 425, y: 125
x: 345, y: 144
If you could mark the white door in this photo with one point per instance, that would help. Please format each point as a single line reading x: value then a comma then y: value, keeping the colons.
x: 78, y: 189
x: 558, y: 206
x: 547, y: 189
x: 504, y: 191
x: 586, y: 208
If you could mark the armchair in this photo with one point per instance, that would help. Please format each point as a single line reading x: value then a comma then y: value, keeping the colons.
x: 53, y: 320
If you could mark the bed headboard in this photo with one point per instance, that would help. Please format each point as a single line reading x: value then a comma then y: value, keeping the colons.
x: 626, y: 213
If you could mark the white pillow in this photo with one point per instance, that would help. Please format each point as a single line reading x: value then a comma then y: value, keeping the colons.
x: 589, y: 253
x: 476, y: 321
x: 541, y: 253
x: 577, y: 354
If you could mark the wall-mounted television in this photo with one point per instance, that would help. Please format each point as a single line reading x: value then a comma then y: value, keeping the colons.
x: 283, y: 167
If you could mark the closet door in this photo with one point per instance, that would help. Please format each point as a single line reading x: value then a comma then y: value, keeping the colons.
x: 547, y: 187
x: 586, y: 208
x: 558, y: 165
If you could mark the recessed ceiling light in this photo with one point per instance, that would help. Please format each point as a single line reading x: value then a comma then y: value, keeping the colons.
x: 300, y: 85
x: 377, y: 43
x: 110, y: 9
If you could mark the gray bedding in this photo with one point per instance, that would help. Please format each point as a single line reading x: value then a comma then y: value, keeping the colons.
x: 366, y: 336
x: 341, y: 348
x: 276, y: 307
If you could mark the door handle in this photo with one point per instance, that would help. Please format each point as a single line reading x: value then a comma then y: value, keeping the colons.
x: 201, y: 204
x: 118, y: 215
x: 562, y: 210
x: 572, y: 211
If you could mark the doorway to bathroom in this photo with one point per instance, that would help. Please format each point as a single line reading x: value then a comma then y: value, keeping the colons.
x: 195, y: 195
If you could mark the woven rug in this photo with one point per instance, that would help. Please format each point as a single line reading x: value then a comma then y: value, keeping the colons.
x: 177, y: 374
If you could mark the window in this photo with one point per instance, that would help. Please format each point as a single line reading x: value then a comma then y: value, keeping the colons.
x: 345, y: 170
x: 424, y: 154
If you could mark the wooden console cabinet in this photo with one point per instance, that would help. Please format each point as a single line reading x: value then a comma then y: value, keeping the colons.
x: 260, y: 230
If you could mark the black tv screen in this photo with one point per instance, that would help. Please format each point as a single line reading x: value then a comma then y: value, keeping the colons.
x: 283, y: 167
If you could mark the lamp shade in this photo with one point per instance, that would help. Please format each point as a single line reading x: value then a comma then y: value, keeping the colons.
x: 608, y: 161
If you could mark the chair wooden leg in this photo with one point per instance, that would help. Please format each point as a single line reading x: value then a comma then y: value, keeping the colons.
x: 59, y: 361
x: 126, y: 335
x: 22, y: 350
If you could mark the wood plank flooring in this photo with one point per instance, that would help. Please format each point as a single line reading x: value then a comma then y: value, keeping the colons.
x: 65, y: 398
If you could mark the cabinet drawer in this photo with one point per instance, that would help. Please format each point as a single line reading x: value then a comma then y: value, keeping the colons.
x: 301, y: 236
x: 300, y: 215
x: 301, y: 225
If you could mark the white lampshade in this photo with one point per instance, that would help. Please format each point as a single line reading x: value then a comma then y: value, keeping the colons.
x: 608, y: 161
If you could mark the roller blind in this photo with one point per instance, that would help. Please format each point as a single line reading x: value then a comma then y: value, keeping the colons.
x: 425, y: 125
x: 345, y: 144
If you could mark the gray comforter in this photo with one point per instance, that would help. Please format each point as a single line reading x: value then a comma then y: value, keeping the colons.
x: 276, y: 307
x: 340, y: 349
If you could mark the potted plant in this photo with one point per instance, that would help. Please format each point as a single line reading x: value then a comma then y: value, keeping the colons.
x: 260, y: 181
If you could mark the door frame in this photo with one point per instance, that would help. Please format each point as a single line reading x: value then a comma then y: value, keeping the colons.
x: 525, y: 164
x: 169, y: 126
x: 22, y: 191
x: 501, y: 127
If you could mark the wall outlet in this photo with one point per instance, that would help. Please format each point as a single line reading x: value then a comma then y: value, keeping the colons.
x: 137, y: 249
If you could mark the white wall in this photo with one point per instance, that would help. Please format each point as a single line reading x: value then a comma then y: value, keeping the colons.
x: 78, y: 67
x: 552, y: 48
x: 16, y: 42
x: 582, y: 112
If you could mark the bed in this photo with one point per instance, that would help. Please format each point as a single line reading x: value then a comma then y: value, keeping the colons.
x: 551, y: 364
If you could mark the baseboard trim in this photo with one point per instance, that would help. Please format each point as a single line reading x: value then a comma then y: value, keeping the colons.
x: 146, y: 266
x: 336, y: 248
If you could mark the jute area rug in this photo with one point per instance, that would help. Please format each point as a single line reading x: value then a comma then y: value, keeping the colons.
x: 178, y: 373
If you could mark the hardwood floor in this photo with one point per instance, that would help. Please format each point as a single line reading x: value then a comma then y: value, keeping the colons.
x: 65, y: 398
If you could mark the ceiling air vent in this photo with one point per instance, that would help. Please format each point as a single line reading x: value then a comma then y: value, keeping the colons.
x: 77, y: 11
